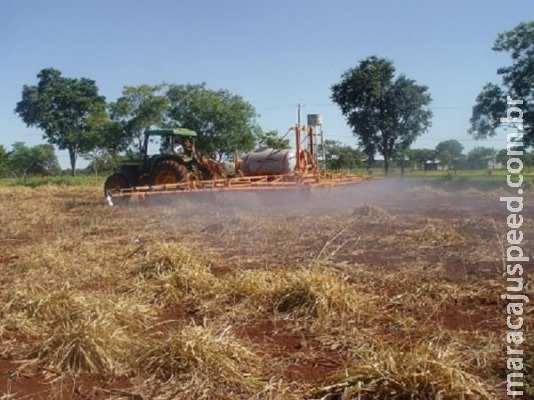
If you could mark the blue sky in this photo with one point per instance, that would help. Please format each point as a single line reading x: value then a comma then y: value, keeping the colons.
x: 274, y: 54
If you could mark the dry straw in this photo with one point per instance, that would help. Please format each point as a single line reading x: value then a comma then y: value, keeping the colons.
x: 69, y: 333
x: 170, y: 274
x: 420, y: 373
x: 314, y: 291
x: 373, y: 213
x: 117, y: 286
x: 212, y: 357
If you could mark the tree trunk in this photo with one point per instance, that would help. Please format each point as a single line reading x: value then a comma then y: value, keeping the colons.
x: 386, y: 164
x: 95, y: 168
x: 141, y: 144
x: 72, y: 157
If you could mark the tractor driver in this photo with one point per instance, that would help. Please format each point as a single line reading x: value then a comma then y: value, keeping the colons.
x: 187, y: 145
x: 166, y: 146
x: 171, y: 146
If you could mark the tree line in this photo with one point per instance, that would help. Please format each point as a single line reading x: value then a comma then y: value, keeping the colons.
x: 24, y: 160
x: 386, y: 111
x: 74, y: 117
x: 450, y: 155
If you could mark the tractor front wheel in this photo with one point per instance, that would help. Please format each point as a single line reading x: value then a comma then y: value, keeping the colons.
x: 168, y: 172
x: 116, y: 181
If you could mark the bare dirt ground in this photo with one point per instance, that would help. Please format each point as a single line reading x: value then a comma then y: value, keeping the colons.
x: 381, y: 290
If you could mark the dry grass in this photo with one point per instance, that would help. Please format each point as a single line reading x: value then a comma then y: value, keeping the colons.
x: 376, y: 213
x: 42, y: 309
x: 437, y: 234
x: 422, y: 372
x: 81, y: 347
x: 68, y: 333
x: 219, y: 301
x: 477, y: 351
x: 199, y: 354
x: 316, y: 291
x: 160, y: 259
x: 170, y: 274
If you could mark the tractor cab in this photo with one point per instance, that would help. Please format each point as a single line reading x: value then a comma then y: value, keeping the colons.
x: 174, y: 143
x: 170, y: 139
x: 168, y: 156
x: 172, y: 148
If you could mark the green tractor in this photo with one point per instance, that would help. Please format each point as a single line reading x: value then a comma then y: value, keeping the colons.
x: 176, y: 162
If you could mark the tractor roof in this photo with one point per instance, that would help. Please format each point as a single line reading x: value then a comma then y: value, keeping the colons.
x: 170, y: 132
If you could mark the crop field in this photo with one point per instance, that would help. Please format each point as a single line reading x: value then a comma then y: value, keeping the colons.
x: 383, y: 290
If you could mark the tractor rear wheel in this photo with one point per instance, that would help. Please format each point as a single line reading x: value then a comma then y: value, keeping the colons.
x: 116, y: 181
x: 168, y: 172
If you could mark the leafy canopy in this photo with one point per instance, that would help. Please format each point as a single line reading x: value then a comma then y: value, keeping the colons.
x: 224, y: 121
x: 61, y: 107
x: 422, y: 155
x: 480, y: 156
x: 453, y: 146
x: 517, y: 83
x: 527, y: 157
x: 4, y: 160
x: 39, y: 159
x: 386, y: 114
x: 339, y: 156
x: 105, y: 140
x: 272, y: 139
x: 139, y: 108
x: 449, y: 151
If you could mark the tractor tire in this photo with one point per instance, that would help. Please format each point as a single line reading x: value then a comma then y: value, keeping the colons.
x: 116, y: 181
x: 168, y: 172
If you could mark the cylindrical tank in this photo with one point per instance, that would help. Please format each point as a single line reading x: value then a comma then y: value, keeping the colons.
x: 315, y: 120
x: 268, y: 161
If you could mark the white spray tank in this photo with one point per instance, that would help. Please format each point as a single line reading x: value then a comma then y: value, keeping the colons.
x: 269, y: 161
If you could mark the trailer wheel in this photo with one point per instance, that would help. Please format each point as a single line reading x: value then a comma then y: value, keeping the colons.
x: 116, y: 181
x: 168, y: 171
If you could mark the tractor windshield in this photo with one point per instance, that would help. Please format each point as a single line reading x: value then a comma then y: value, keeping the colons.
x: 169, y: 141
x: 156, y: 145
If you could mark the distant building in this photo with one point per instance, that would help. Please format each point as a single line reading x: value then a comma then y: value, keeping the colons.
x: 431, y: 165
x: 492, y: 164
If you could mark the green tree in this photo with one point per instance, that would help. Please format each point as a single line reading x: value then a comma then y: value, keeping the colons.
x: 502, y: 156
x: 517, y: 83
x: 139, y: 108
x: 272, y: 139
x: 527, y: 157
x: 369, y: 152
x: 384, y: 113
x: 418, y: 157
x: 61, y: 107
x: 4, y: 160
x: 47, y: 163
x: 105, y: 140
x: 449, y: 152
x: 339, y: 156
x: 479, y: 157
x: 40, y: 159
x: 401, y: 153
x: 224, y: 121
